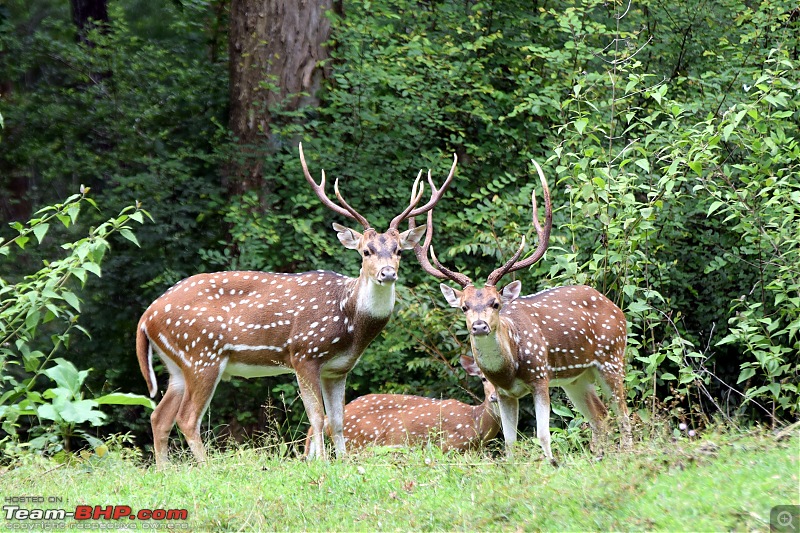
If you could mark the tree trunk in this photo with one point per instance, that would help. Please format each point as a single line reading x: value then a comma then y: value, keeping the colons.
x: 86, y: 14
x: 275, y: 47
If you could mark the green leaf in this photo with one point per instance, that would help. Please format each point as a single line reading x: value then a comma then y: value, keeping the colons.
x: 562, y: 410
x: 638, y: 307
x: 67, y: 376
x: 82, y: 411
x: 643, y: 163
x: 48, y: 412
x: 714, y: 206
x: 79, y: 273
x: 73, y: 212
x: 745, y: 374
x: 125, y: 398
x: 128, y: 234
x: 40, y: 230
x: 580, y: 124
x: 94, y: 268
x: 697, y: 167
x: 72, y: 300
x: 64, y: 219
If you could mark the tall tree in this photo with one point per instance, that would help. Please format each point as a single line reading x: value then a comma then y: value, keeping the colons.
x: 275, y: 48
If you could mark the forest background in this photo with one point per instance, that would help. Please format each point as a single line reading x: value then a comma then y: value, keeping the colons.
x: 668, y: 134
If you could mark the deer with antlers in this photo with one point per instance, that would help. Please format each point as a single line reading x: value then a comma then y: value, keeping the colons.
x: 571, y: 337
x: 406, y: 420
x: 210, y: 327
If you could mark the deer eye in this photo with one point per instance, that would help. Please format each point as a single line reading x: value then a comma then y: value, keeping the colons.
x: 366, y: 253
x: 495, y: 305
x: 464, y: 308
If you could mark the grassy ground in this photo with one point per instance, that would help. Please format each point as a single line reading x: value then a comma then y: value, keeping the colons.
x: 722, y: 481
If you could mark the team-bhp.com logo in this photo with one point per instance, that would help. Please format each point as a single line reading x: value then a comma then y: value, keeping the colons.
x: 23, y: 516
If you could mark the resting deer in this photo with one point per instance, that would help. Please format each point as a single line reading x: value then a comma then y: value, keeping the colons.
x: 568, y: 336
x: 405, y: 420
x: 316, y: 324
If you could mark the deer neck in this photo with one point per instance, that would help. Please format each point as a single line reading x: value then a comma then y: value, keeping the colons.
x: 496, y: 353
x: 487, y: 421
x: 373, y: 299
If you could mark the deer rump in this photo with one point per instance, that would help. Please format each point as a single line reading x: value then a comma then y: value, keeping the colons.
x: 405, y: 420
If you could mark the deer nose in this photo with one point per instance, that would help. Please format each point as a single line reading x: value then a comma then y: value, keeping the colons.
x: 387, y: 274
x: 480, y: 327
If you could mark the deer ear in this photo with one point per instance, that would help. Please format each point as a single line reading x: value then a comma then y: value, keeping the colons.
x: 468, y: 363
x: 410, y: 238
x: 511, y: 291
x: 349, y: 238
x: 452, y: 296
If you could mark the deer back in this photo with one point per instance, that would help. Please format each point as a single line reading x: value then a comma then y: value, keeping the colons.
x: 559, y: 333
x: 406, y: 420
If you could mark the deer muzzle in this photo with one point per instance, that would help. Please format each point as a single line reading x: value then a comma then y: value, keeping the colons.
x: 479, y: 328
x: 387, y: 274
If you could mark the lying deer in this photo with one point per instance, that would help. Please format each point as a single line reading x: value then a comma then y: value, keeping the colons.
x: 405, y: 420
x: 571, y: 337
x: 316, y: 324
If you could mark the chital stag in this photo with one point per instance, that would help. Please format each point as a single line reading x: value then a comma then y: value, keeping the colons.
x: 406, y: 420
x: 316, y: 324
x: 569, y: 336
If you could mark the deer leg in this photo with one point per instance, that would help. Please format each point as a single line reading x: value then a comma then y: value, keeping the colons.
x: 163, y: 419
x: 333, y: 396
x: 193, y: 407
x: 614, y: 387
x: 584, y: 397
x: 509, y: 416
x: 308, y: 379
x: 541, y: 403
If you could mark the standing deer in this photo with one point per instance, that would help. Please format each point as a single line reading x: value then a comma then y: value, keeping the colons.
x: 403, y: 419
x: 316, y: 324
x: 569, y: 336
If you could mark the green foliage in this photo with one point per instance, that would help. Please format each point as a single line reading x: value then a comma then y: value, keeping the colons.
x: 46, y: 304
x: 135, y: 112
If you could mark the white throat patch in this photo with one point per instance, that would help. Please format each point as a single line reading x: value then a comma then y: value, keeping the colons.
x: 375, y: 300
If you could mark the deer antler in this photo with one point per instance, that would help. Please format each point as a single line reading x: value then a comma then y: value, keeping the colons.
x: 344, y: 209
x: 438, y: 271
x: 436, y: 195
x: 542, y: 232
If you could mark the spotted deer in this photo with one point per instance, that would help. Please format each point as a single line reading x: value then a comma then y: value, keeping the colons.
x: 569, y: 337
x: 406, y: 420
x: 210, y: 327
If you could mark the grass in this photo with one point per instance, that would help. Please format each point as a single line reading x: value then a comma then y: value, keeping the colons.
x: 722, y: 481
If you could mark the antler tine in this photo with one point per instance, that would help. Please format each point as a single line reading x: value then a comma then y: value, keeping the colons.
x: 354, y: 214
x: 416, y: 196
x: 458, y: 277
x: 436, y: 194
x: 421, y: 252
x: 348, y: 212
x: 543, y: 234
